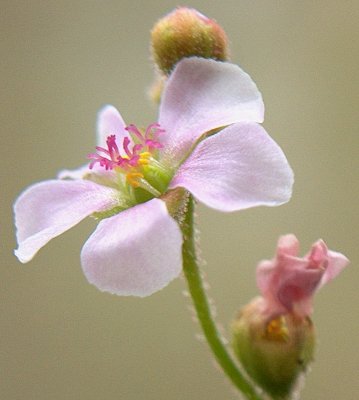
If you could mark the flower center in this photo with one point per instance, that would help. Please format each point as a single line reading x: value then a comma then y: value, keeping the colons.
x: 136, y: 162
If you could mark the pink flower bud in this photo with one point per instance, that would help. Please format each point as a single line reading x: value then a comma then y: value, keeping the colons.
x: 288, y: 282
x: 184, y: 33
x: 273, y: 335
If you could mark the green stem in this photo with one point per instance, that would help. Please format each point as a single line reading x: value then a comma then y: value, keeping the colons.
x: 197, y: 292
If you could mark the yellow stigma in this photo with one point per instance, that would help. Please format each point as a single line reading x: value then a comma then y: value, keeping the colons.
x: 277, y: 330
x: 133, y: 178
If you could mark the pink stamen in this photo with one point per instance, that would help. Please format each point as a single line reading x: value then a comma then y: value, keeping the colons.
x: 133, y: 129
x: 104, y: 162
x: 152, y: 144
x: 149, y: 139
x: 126, y: 142
x: 111, y: 158
x: 151, y: 136
x: 112, y: 147
x: 156, y: 128
x: 102, y: 150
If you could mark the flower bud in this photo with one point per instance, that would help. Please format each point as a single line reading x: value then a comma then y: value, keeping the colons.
x: 184, y: 33
x: 274, y: 351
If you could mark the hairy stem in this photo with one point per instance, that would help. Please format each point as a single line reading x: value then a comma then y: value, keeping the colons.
x: 199, y: 298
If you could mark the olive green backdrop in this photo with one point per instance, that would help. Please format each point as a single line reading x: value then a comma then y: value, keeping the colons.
x: 62, y: 339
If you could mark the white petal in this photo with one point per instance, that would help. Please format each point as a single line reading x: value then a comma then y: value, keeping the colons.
x: 137, y: 252
x: 97, y: 174
x: 237, y: 168
x: 202, y: 95
x: 110, y: 122
x: 47, y: 209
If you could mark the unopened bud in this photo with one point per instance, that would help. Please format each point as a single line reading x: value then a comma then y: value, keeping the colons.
x: 184, y: 33
x: 274, y: 351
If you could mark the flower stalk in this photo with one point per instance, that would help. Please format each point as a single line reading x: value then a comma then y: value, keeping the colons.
x: 202, y: 307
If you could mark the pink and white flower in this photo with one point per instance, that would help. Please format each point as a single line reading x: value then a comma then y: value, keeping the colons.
x: 136, y: 247
x: 288, y: 282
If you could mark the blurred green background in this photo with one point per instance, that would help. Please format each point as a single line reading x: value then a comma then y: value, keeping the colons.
x: 60, y: 62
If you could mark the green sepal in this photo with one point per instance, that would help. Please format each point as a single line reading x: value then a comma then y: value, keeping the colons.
x: 275, y: 352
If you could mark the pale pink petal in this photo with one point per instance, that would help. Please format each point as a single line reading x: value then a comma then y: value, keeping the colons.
x: 137, y: 252
x: 266, y: 269
x: 296, y: 284
x: 110, y: 122
x: 264, y: 274
x: 47, y: 209
x: 237, y: 168
x: 336, y: 263
x: 288, y: 244
x: 202, y: 95
x: 288, y: 283
x: 318, y: 254
x: 331, y: 262
x: 96, y: 174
